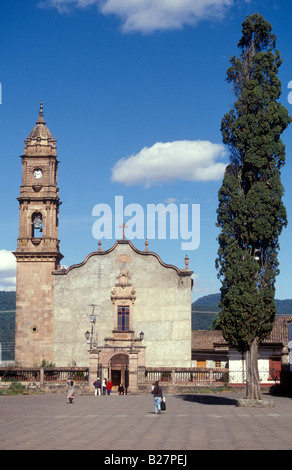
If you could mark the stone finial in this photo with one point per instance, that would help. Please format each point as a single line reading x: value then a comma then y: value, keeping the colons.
x: 146, y: 244
x: 99, y: 245
x: 187, y: 263
x: 41, y: 119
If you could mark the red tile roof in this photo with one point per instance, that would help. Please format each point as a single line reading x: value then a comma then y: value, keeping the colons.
x: 279, y: 332
x: 205, y: 339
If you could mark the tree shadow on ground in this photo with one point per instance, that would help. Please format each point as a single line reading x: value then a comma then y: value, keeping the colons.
x: 208, y: 399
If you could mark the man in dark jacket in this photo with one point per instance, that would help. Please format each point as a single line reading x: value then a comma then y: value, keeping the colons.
x: 97, y: 385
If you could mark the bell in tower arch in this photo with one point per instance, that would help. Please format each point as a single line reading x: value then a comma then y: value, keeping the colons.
x: 37, y: 225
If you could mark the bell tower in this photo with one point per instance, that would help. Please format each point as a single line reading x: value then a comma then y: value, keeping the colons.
x: 37, y: 252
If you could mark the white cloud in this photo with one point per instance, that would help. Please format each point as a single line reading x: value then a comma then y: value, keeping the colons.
x: 65, y: 6
x: 165, y: 162
x: 7, y: 270
x: 150, y: 15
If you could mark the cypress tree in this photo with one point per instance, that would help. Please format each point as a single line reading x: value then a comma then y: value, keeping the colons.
x: 251, y: 214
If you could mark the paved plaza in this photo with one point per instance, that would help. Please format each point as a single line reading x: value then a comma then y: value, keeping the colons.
x: 191, y: 422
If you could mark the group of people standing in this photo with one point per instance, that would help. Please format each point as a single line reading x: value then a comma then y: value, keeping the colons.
x: 106, y: 387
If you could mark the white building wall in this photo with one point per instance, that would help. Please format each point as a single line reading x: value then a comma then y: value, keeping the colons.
x: 237, y: 366
x: 161, y: 309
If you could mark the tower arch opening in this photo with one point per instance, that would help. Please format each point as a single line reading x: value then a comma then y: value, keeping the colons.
x: 37, y: 225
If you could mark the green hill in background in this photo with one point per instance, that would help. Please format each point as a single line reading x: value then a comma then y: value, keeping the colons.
x: 204, y: 310
x: 7, y: 324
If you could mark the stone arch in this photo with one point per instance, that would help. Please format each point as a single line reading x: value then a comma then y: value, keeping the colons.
x: 118, y: 369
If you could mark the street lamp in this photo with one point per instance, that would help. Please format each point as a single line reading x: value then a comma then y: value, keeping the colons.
x: 92, y: 317
x: 90, y: 336
x: 141, y: 336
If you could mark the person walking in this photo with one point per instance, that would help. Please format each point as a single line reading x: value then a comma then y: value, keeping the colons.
x: 71, y: 391
x: 158, y: 395
x: 97, y: 386
x: 109, y: 387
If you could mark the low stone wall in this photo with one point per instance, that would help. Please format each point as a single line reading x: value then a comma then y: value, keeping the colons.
x: 46, y: 387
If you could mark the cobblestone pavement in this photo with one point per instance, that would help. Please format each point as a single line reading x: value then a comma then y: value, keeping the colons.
x: 191, y: 422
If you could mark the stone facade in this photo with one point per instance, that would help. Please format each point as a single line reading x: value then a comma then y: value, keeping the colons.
x: 34, y: 311
x: 158, y: 297
x: 135, y: 309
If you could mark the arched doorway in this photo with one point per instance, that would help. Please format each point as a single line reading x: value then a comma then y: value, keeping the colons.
x: 118, y: 368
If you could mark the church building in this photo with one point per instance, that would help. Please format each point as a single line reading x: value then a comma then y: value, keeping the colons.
x: 119, y: 310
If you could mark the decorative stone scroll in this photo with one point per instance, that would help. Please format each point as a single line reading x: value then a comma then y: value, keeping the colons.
x: 123, y: 290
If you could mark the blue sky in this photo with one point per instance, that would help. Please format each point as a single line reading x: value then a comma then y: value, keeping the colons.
x: 132, y: 90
